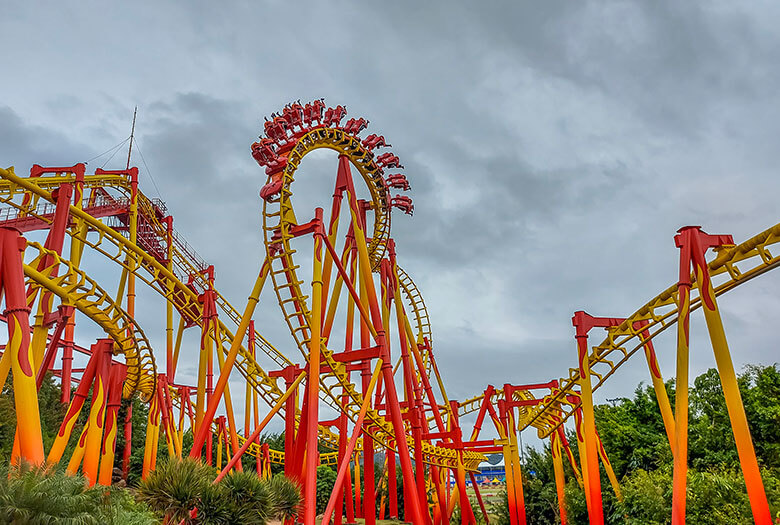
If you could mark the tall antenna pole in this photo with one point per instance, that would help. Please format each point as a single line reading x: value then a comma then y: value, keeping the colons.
x: 132, y: 133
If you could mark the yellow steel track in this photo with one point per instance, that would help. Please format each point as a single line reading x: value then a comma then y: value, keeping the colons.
x: 731, y: 267
x: 278, y: 222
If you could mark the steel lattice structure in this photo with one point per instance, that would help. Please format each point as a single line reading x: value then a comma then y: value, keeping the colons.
x: 359, y: 324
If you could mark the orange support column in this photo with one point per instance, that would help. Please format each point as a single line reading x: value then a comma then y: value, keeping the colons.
x: 440, y: 503
x: 358, y: 490
x: 504, y: 430
x: 12, y: 246
x: 391, y: 396
x: 344, y: 466
x: 581, y: 449
x: 583, y: 323
x: 560, y: 481
x: 313, y: 379
x: 97, y: 411
x: 590, y: 460
x: 74, y: 409
x: 116, y: 379
x: 392, y: 486
x: 76, y: 247
x: 165, y: 414
x: 680, y: 472
x: 698, y: 242
x: 266, y: 449
x: 150, y: 448
x: 566, y: 448
x: 517, y: 475
x: 205, y: 414
x: 608, y: 469
x: 78, y: 452
x: 220, y: 433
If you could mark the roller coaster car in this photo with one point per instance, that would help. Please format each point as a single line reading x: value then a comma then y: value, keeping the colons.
x: 293, y: 114
x: 275, y: 246
x: 275, y: 130
x: 398, y: 181
x: 313, y: 111
x: 263, y: 152
x: 333, y: 116
x: 388, y: 160
x: 403, y: 203
x: 355, y: 126
x: 375, y: 141
x: 272, y: 188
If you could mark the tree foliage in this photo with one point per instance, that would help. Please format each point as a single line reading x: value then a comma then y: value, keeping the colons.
x: 635, y: 440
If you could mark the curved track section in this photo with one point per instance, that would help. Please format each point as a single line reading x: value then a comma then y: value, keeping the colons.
x: 730, y: 268
x: 415, y: 299
x: 178, y: 283
x: 279, y: 224
x: 94, y: 302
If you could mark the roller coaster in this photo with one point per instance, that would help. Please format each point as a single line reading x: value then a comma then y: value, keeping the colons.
x: 364, y: 378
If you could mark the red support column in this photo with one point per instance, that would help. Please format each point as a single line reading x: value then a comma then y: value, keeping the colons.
x: 392, y: 486
x: 67, y: 345
x: 583, y: 322
x: 74, y: 409
x: 97, y: 412
x: 12, y: 246
x: 358, y: 489
x: 479, y: 497
x: 299, y: 448
x: 466, y: 512
x: 693, y: 244
x: 289, y: 374
x: 116, y: 379
x: 67, y: 360
x: 416, y: 513
x: 64, y: 313
x: 415, y: 416
x: 126, y: 453
x: 369, y: 490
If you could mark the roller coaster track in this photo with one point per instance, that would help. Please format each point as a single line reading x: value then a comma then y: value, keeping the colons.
x: 731, y: 267
x: 417, y: 304
x: 149, y: 269
x: 134, y: 233
x: 185, y: 275
x: 278, y: 223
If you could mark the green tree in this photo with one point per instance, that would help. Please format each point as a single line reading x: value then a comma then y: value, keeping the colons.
x: 633, y: 433
x: 326, y: 480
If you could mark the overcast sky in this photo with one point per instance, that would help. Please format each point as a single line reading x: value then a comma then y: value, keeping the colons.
x: 553, y: 148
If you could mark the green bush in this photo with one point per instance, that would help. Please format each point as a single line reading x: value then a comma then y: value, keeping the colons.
x: 178, y: 487
x: 285, y: 497
x: 37, y: 495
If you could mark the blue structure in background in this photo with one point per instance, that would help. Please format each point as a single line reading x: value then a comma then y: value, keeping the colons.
x: 491, y: 470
